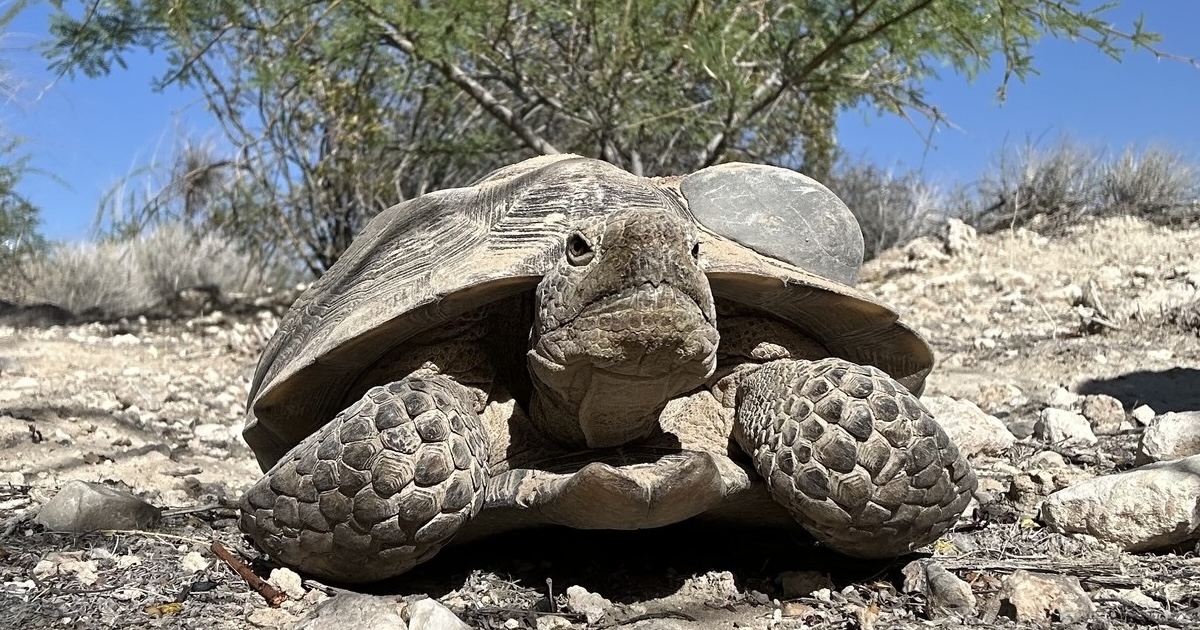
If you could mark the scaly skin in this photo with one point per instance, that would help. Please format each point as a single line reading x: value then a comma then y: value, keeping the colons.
x: 855, y: 458
x: 379, y: 489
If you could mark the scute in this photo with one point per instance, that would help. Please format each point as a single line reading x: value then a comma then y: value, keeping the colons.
x: 438, y: 256
x: 780, y: 214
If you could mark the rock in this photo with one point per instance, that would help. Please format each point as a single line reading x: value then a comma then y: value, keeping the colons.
x: 945, y: 592
x: 591, y: 605
x: 213, y: 434
x: 1058, y: 426
x: 428, y: 614
x: 1105, y: 413
x: 67, y: 562
x: 994, y: 396
x: 1152, y: 507
x: 552, y: 622
x: 10, y: 366
x: 352, y: 611
x: 12, y: 479
x: 974, y: 431
x: 715, y: 586
x: 1131, y: 597
x: 1142, y: 414
x: 1041, y: 598
x: 287, y: 581
x: 960, y: 237
x: 14, y: 432
x: 83, y: 507
x: 1173, y: 435
x: 925, y: 248
x: 25, y: 382
x: 193, y: 562
x: 271, y: 618
x: 802, y: 583
x: 1045, y: 460
x: 1060, y: 398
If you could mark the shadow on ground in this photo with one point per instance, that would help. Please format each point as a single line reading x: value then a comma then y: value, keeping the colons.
x: 633, y: 566
x: 1176, y: 389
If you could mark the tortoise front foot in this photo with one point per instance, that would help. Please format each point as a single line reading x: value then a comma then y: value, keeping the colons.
x: 852, y: 454
x: 379, y: 489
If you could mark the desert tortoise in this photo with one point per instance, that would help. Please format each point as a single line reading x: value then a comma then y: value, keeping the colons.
x: 567, y: 343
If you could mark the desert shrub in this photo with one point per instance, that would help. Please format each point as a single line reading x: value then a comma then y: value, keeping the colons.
x: 173, y: 258
x: 892, y: 209
x: 92, y: 279
x: 1053, y: 189
x: 1186, y: 316
x: 118, y: 278
x: 1156, y: 183
x: 1050, y: 187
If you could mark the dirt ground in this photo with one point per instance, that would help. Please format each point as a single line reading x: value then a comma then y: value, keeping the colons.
x: 156, y: 407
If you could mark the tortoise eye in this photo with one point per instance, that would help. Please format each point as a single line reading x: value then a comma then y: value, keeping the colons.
x: 579, y: 251
x: 696, y: 251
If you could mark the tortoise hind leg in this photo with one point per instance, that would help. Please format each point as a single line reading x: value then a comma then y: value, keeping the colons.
x: 379, y: 489
x: 852, y: 455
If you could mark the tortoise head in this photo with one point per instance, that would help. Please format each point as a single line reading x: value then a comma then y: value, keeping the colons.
x: 625, y: 322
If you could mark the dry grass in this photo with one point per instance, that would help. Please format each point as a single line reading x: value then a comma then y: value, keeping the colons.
x: 892, y: 209
x: 112, y: 279
x: 1053, y: 188
x: 1186, y: 316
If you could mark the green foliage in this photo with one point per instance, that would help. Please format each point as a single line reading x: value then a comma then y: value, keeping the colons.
x: 336, y: 110
x: 20, y: 241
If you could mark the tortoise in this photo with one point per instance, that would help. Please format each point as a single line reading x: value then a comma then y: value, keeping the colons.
x: 566, y: 343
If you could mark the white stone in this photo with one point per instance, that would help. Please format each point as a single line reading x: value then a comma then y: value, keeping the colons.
x: 193, y: 562
x: 1142, y: 414
x: 212, y: 434
x: 590, y: 605
x: 1059, y: 426
x: 1041, y: 598
x: 1152, y: 507
x: 1173, y: 435
x: 552, y: 622
x: 287, y: 581
x: 973, y: 431
x: 430, y: 614
x: 1062, y: 399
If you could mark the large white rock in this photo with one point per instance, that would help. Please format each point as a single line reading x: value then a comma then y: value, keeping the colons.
x: 352, y: 611
x: 974, y: 431
x: 1170, y: 436
x: 1151, y: 507
x: 1059, y: 426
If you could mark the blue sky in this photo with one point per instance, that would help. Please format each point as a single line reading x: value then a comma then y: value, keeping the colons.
x: 86, y: 135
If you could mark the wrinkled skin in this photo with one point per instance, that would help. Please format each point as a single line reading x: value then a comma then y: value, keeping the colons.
x: 641, y: 415
x: 623, y: 324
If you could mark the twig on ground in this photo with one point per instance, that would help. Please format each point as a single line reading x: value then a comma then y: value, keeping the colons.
x: 273, y: 596
x: 655, y: 615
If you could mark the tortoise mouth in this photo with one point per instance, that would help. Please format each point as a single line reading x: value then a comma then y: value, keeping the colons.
x: 647, y: 331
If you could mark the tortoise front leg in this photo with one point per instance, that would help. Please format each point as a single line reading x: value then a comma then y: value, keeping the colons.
x: 852, y: 455
x: 379, y: 489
